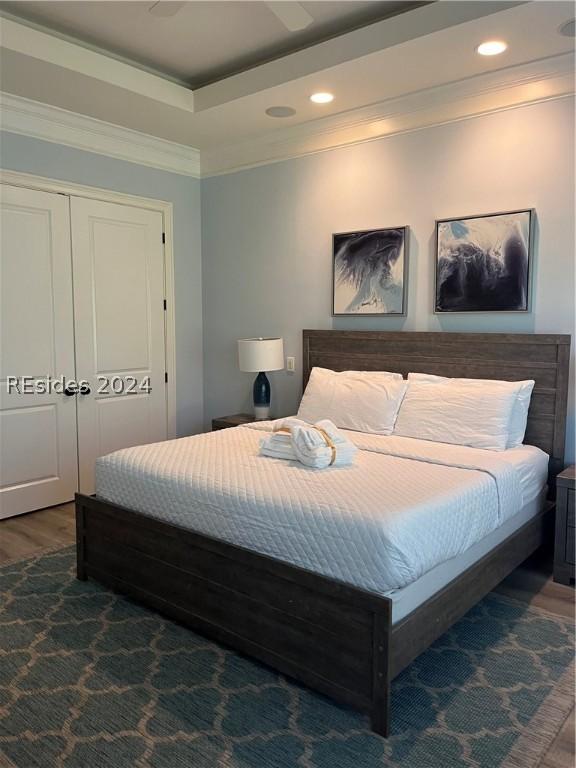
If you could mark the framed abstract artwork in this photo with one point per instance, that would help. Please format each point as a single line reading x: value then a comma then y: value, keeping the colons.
x: 483, y: 263
x: 370, y: 272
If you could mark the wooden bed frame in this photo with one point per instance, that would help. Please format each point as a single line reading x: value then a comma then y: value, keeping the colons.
x: 333, y: 637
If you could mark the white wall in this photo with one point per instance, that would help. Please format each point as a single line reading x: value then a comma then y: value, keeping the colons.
x: 20, y: 153
x: 266, y: 235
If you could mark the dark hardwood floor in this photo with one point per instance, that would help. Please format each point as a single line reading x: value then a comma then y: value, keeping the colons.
x: 26, y: 535
x: 532, y: 583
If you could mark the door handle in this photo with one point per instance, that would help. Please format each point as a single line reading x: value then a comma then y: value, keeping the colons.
x: 85, y: 389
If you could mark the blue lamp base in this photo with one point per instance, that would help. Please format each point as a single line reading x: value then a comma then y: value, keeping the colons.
x: 261, y: 397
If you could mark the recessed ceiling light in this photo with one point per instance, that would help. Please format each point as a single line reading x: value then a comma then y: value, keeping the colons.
x: 322, y: 98
x: 491, y: 48
x: 280, y: 111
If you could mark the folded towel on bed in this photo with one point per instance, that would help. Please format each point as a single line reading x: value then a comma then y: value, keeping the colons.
x: 278, y: 445
x: 320, y: 445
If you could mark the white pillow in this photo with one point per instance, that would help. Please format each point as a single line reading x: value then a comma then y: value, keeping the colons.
x: 363, y: 401
x: 523, y: 389
x: 457, y: 411
x: 520, y: 414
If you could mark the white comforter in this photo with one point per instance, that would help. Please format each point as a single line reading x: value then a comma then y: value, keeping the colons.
x: 404, y: 506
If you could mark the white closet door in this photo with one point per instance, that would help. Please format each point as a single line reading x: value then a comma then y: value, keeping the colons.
x: 118, y: 260
x: 38, y: 464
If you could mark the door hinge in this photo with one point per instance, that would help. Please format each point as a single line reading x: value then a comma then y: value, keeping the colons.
x: 166, y: 377
x: 164, y: 305
x: 164, y: 238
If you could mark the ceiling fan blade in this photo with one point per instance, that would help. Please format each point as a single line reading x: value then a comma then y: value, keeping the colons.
x: 165, y: 9
x: 292, y: 15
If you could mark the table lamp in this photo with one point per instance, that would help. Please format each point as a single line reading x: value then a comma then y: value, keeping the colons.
x: 259, y: 356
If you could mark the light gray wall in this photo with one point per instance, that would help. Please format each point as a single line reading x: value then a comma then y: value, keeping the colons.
x: 266, y: 236
x: 20, y: 153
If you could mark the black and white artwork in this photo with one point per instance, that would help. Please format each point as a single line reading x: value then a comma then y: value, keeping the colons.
x: 483, y: 263
x: 370, y: 272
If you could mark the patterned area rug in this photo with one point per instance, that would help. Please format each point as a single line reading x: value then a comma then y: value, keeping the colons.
x: 88, y: 679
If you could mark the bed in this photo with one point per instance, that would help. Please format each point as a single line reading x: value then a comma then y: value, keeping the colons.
x: 337, y: 606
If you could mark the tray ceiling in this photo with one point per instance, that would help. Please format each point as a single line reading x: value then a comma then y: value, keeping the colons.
x: 203, y: 41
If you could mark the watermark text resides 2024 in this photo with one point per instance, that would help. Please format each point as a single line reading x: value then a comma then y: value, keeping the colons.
x: 62, y: 385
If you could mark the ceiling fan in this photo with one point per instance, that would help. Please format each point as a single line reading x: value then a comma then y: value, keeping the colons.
x: 293, y: 15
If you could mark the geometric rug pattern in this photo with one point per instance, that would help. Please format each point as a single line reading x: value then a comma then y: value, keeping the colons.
x: 89, y: 679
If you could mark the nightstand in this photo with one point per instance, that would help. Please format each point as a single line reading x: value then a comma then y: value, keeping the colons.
x: 565, y: 526
x: 236, y: 420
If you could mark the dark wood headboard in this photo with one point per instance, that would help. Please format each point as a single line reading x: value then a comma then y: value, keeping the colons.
x: 508, y: 356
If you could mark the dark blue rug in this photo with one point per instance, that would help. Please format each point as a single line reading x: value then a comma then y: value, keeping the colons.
x: 88, y: 679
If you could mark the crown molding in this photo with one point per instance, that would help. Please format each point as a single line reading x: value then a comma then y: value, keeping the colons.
x: 544, y: 80
x: 59, y: 126
x: 518, y: 86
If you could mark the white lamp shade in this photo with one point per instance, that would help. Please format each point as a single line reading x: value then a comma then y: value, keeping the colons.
x: 255, y: 355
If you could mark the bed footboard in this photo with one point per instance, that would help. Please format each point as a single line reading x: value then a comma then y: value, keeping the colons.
x: 332, y: 637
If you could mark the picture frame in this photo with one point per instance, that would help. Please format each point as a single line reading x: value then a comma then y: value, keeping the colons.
x: 483, y: 263
x: 370, y: 272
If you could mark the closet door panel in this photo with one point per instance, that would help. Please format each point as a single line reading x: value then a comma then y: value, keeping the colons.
x: 119, y: 320
x: 38, y: 461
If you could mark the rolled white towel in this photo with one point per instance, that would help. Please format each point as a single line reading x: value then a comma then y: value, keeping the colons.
x: 290, y: 422
x: 322, y: 445
x: 333, y: 432
x: 278, y: 445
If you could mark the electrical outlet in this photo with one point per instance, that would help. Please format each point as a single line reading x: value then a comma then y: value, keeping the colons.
x: 291, y: 364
